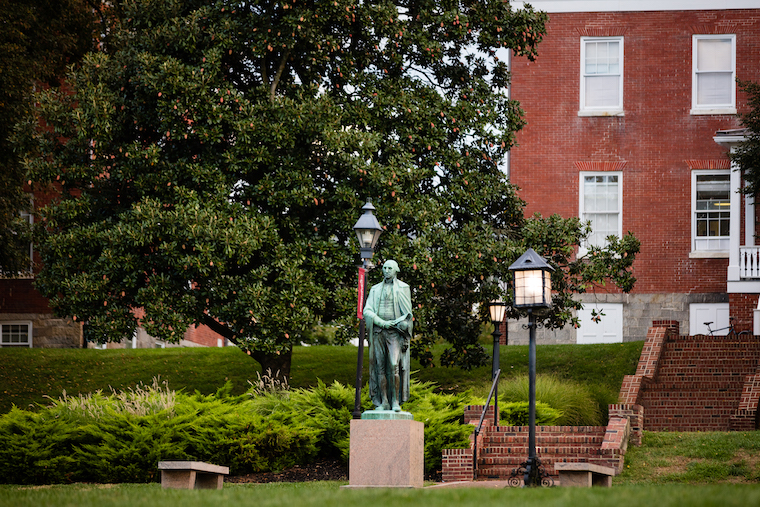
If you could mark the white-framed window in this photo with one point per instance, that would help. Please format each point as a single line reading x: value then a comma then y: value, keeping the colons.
x: 711, y: 210
x: 601, y: 203
x: 717, y: 314
x: 16, y: 334
x: 713, y: 74
x: 601, y: 76
x: 607, y: 328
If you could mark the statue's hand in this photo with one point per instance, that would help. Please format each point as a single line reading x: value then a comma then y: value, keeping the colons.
x: 403, y: 325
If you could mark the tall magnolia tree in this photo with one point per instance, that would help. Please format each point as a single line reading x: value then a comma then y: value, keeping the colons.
x: 213, y: 156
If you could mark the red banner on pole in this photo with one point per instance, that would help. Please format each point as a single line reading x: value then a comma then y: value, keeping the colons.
x: 360, y: 295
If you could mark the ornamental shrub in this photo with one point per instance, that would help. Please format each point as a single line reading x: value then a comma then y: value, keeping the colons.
x: 517, y: 413
x: 122, y: 436
x: 94, y: 438
x: 442, y: 415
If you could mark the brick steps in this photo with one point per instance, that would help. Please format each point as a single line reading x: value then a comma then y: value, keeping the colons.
x: 706, y: 369
x: 661, y: 394
x: 503, y: 466
x: 546, y: 454
x: 565, y: 435
x: 681, y: 384
x: 505, y: 448
x: 698, y: 382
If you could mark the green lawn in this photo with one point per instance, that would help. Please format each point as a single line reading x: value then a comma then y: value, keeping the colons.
x: 693, y: 458
x: 27, y: 376
x: 329, y: 494
x: 686, y: 468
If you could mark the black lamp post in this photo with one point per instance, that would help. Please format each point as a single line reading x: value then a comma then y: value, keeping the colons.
x: 497, y: 310
x: 368, y: 231
x: 533, y: 292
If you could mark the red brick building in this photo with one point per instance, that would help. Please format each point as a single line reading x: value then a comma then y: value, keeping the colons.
x: 26, y: 319
x: 631, y: 109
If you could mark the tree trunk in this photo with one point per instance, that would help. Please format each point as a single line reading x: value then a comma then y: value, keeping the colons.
x: 275, y: 366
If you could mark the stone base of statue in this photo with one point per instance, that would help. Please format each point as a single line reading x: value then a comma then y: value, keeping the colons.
x: 387, y: 450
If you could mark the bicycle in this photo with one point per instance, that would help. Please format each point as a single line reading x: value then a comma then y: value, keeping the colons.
x: 731, y: 329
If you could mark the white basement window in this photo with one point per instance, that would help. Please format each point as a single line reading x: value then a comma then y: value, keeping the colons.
x: 16, y: 334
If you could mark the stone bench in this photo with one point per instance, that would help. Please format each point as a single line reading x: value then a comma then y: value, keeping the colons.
x: 584, y: 475
x: 191, y: 475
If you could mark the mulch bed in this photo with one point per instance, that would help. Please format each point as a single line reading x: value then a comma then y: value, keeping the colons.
x: 319, y: 471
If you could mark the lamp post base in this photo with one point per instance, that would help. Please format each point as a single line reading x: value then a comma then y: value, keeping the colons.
x: 531, y: 474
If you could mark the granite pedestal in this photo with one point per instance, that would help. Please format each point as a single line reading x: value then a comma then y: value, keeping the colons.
x: 386, y: 451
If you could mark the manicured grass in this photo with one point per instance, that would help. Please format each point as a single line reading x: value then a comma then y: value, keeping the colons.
x: 329, y: 493
x: 27, y: 376
x: 656, y: 473
x: 693, y: 458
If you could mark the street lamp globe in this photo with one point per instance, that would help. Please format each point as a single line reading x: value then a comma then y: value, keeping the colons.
x: 368, y: 231
x: 533, y: 282
x: 497, y: 309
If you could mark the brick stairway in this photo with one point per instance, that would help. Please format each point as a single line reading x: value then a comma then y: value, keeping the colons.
x: 502, y: 449
x: 699, y: 383
x: 682, y: 383
x: 695, y: 383
x: 505, y: 448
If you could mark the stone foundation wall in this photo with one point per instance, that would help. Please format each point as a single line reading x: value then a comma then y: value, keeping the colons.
x: 639, y: 310
x: 146, y: 341
x: 49, y: 331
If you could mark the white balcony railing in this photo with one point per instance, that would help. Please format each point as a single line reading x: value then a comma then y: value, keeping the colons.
x: 749, y: 262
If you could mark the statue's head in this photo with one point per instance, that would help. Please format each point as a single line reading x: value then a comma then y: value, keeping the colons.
x: 390, y: 269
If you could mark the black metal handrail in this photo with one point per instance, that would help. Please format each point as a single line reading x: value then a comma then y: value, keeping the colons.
x: 480, y: 424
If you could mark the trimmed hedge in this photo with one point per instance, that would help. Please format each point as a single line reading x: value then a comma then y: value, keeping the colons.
x: 121, y: 437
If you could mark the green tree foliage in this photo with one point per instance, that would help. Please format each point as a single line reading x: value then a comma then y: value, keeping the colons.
x: 747, y: 155
x: 38, y: 39
x: 214, y: 155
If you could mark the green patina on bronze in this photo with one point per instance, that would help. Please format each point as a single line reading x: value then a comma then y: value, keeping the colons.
x: 388, y: 316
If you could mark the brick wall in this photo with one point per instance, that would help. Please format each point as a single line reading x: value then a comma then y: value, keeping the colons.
x: 19, y: 296
x: 457, y: 465
x: 742, y: 308
x: 747, y: 417
x: 646, y: 370
x: 203, y: 335
x: 472, y: 414
x: 634, y: 414
x: 655, y: 144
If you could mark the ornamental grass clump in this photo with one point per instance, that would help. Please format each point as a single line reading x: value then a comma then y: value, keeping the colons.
x: 517, y: 413
x: 141, y: 400
x: 268, y: 384
x: 573, y: 400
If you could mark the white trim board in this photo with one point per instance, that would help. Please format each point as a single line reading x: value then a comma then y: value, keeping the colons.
x: 635, y: 5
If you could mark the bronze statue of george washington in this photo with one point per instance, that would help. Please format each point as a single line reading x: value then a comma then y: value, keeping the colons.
x: 388, y: 317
